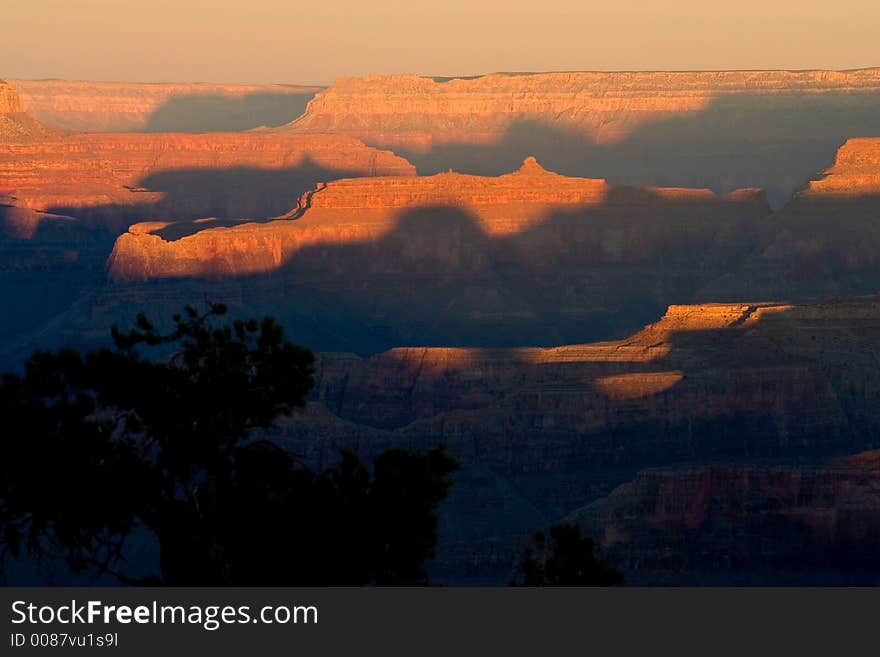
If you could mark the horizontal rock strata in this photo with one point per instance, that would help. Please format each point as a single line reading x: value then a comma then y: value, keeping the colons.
x: 168, y: 107
x: 723, y: 130
x: 118, y: 177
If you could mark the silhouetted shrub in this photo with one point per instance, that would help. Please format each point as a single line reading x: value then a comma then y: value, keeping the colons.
x: 98, y: 445
x: 566, y: 559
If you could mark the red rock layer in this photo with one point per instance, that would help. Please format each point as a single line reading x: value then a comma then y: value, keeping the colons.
x: 855, y: 172
x: 131, y: 107
x: 118, y: 176
x: 360, y: 213
x: 10, y: 102
x: 415, y: 111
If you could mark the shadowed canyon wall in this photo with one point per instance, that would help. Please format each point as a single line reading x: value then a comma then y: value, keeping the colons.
x: 543, y: 431
x: 161, y: 107
x: 116, y: 177
x: 721, y: 423
x: 734, y: 524
x: 722, y: 130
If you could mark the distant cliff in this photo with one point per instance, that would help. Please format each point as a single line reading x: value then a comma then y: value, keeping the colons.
x: 114, y: 178
x: 161, y: 107
x: 722, y: 130
x: 772, y: 372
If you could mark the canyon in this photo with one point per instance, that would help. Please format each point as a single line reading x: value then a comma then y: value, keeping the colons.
x: 644, y: 302
x: 744, y: 525
x: 46, y: 260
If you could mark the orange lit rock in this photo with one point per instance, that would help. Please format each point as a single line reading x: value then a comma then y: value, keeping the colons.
x: 549, y: 213
x: 419, y: 112
x: 132, y: 107
x: 530, y: 257
x: 855, y: 172
x: 116, y: 177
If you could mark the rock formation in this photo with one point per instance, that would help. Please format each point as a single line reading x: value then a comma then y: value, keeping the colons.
x: 722, y: 130
x: 530, y: 257
x: 160, y: 107
x: 855, y: 172
x: 417, y: 111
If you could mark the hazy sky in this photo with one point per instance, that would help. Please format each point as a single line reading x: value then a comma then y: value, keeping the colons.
x: 319, y: 40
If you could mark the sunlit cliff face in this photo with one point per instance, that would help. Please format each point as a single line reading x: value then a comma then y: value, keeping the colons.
x: 160, y: 107
x: 824, y: 242
x: 112, y: 179
x: 350, y: 212
x: 717, y: 130
x: 603, y: 107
